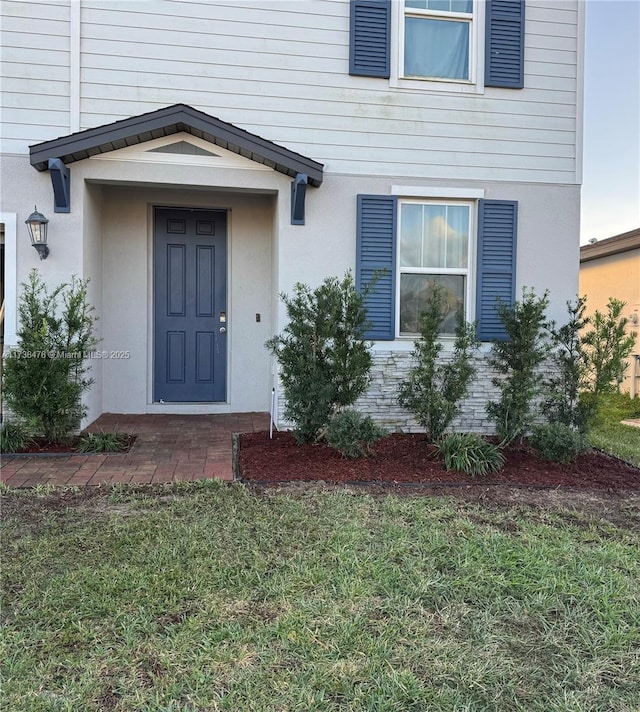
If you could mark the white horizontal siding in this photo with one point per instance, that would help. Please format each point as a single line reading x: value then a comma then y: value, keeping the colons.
x: 162, y: 14
x: 36, y: 13
x: 22, y: 41
x: 26, y: 56
x: 43, y: 73
x: 264, y: 85
x: 39, y: 132
x: 19, y: 88
x: 346, y: 116
x: 16, y: 23
x: 110, y: 26
x: 437, y: 172
x: 33, y: 103
x: 240, y: 95
x: 280, y: 69
x: 35, y: 72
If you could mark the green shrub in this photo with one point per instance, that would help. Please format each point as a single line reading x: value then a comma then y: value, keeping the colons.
x: 589, y: 355
x: 518, y: 362
x: 470, y: 454
x: 558, y: 442
x: 323, y: 356
x: 46, y: 374
x: 352, y: 434
x: 102, y: 442
x: 14, y: 435
x: 614, y: 407
x: 432, y: 391
x: 606, y: 346
x: 563, y: 402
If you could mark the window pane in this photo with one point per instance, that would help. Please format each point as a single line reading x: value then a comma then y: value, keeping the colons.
x: 438, y: 5
x: 436, y: 48
x: 434, y: 236
x: 462, y: 6
x: 414, y: 292
x: 434, y: 233
x: 457, y: 237
x: 442, y: 5
x: 411, y: 235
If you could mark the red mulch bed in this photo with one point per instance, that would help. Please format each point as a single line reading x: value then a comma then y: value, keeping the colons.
x: 409, y: 458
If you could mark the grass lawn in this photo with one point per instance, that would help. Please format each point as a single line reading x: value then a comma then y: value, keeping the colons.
x: 608, y: 434
x: 623, y: 441
x: 210, y: 597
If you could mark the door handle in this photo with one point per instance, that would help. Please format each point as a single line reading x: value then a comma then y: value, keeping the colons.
x: 223, y: 329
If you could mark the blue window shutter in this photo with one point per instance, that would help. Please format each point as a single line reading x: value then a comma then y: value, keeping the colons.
x: 370, y: 38
x: 376, y: 251
x: 504, y: 44
x: 496, y: 278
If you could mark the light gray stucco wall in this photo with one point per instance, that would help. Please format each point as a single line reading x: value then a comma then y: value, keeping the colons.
x: 22, y: 189
x: 547, y: 259
x: 548, y: 233
x: 267, y: 254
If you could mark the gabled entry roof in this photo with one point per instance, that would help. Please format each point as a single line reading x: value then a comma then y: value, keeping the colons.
x: 170, y: 120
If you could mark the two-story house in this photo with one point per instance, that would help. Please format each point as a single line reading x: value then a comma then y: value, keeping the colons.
x: 196, y: 159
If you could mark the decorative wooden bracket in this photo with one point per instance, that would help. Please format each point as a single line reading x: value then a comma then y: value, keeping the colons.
x: 298, y: 193
x: 61, y: 181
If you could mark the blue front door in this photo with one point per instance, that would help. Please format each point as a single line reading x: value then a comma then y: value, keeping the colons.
x: 190, y: 305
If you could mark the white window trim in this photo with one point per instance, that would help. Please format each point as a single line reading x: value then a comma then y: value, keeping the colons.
x: 426, y: 191
x: 471, y: 254
x: 10, y: 221
x: 475, y: 83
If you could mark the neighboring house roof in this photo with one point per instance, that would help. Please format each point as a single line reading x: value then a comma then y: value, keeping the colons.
x: 611, y: 246
x: 167, y: 121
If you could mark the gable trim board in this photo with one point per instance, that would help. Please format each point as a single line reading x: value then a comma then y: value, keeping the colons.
x: 170, y: 120
x: 370, y: 41
x: 376, y: 246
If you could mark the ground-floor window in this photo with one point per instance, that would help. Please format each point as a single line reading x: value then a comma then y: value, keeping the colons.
x: 434, y: 249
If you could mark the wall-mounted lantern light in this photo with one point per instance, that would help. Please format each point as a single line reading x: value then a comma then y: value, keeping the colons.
x: 37, y: 224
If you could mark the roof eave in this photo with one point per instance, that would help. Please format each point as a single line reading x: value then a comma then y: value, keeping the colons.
x: 619, y: 244
x: 164, y: 122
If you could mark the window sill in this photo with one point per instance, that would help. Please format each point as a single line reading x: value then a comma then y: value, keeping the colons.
x: 406, y: 344
x: 436, y: 85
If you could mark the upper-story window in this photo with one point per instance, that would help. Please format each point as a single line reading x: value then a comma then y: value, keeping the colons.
x: 456, y: 45
x: 437, y: 39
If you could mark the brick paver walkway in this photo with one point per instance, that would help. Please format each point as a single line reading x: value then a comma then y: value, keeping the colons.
x: 168, y: 448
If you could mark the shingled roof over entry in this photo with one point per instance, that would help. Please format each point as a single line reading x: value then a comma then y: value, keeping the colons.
x: 165, y: 122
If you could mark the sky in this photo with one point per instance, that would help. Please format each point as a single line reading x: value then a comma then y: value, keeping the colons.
x: 611, y: 178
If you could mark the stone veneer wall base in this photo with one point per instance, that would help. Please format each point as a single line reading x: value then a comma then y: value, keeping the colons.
x: 381, y: 399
